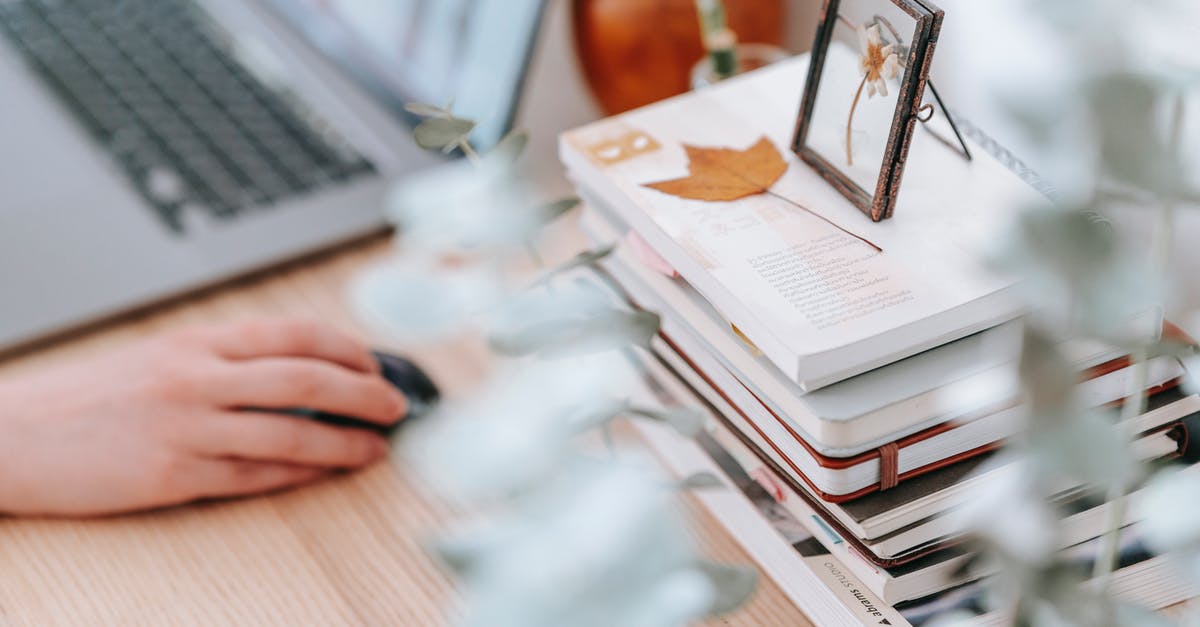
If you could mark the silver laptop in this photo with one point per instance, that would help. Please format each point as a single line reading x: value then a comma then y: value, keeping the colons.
x: 149, y: 147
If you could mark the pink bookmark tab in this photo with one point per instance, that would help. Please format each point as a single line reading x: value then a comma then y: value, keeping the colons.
x: 647, y: 255
x: 768, y: 483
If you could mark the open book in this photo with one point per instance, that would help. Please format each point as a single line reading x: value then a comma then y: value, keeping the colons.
x: 904, y: 400
x: 820, y: 304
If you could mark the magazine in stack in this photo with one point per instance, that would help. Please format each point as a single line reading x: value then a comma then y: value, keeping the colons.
x: 856, y: 396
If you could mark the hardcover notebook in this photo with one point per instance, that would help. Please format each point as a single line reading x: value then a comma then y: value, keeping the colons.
x: 820, y: 304
x: 817, y: 475
x: 895, y: 528
x: 839, y: 480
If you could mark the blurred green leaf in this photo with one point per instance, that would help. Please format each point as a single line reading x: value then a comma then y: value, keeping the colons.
x: 1077, y: 278
x: 1058, y: 595
x: 1071, y: 244
x: 511, y: 146
x: 701, y: 481
x: 734, y: 585
x: 459, y: 555
x: 1170, y: 511
x: 426, y: 110
x: 1085, y: 447
x: 422, y: 303
x: 591, y: 333
x: 551, y: 211
x: 1011, y: 518
x: 585, y: 258
x: 442, y: 133
x: 598, y: 414
x: 1047, y: 375
x: 688, y: 422
x: 1129, y: 120
x: 1171, y: 347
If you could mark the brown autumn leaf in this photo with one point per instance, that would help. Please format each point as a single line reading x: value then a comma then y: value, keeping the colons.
x: 716, y: 174
x: 725, y: 173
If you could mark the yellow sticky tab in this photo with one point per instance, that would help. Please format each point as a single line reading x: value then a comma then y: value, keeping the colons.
x: 742, y: 336
x: 632, y: 143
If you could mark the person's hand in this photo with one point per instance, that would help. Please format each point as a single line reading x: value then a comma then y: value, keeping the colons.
x: 168, y: 420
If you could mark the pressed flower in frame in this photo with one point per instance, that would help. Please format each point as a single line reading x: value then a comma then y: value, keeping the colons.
x: 878, y: 64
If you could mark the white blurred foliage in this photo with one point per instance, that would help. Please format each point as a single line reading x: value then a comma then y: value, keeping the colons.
x: 567, y: 299
x: 1085, y: 448
x: 568, y: 317
x: 1087, y: 88
x: 1007, y: 63
x: 1024, y: 65
x: 1076, y: 276
x: 462, y: 206
x: 516, y: 433
x: 1008, y: 516
x: 603, y: 548
x: 1191, y: 383
x: 1151, y: 36
x: 954, y: 618
x: 1171, y: 511
x: 981, y: 390
x: 415, y: 299
x: 561, y: 534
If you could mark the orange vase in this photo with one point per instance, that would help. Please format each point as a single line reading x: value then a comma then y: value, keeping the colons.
x: 635, y: 52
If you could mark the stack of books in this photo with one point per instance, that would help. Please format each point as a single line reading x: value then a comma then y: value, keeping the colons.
x: 856, y: 395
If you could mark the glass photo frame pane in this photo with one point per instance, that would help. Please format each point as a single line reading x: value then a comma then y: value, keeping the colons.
x: 869, y: 67
x: 860, y: 88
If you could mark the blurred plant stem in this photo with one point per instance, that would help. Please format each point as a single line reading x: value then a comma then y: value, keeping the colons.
x: 465, y: 146
x: 719, y: 40
x: 1164, y: 244
x: 1135, y: 402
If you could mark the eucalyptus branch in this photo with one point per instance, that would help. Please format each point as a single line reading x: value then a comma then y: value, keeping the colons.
x: 442, y: 130
x: 542, y: 410
x: 534, y: 255
x: 465, y: 147
x: 1135, y: 401
x: 585, y: 258
x: 1135, y: 404
x: 1164, y: 229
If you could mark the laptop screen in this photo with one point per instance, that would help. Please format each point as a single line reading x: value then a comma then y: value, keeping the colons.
x: 471, y: 52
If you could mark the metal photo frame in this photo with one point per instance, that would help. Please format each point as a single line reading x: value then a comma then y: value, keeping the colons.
x: 918, y: 55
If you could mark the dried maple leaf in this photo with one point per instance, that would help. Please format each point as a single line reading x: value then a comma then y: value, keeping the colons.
x: 726, y: 174
x: 723, y: 174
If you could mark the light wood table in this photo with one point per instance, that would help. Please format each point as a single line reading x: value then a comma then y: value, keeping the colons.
x: 347, y: 551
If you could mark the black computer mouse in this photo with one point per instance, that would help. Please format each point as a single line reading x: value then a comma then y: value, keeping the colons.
x: 413, y: 383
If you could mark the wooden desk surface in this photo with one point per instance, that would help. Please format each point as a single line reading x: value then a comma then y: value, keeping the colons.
x: 347, y: 551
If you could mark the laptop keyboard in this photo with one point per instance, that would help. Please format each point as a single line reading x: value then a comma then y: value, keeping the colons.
x: 156, y: 82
